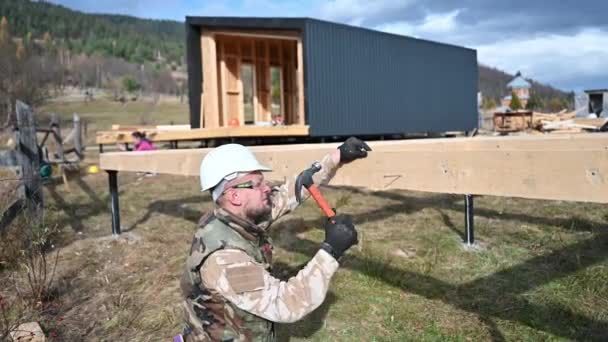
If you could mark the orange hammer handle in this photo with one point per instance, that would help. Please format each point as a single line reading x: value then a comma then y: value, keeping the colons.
x: 316, y: 194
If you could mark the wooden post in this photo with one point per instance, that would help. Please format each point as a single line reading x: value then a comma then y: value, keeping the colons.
x: 29, y: 159
x: 56, y: 128
x: 301, y: 115
x: 77, y: 137
x: 209, y: 105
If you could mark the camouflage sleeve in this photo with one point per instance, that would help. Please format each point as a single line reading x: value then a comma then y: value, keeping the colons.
x: 246, y: 284
x: 283, y: 196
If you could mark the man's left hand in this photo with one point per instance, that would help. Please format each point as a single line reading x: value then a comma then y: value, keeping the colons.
x: 353, y: 148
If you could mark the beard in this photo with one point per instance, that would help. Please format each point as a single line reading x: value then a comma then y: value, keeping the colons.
x: 258, y: 215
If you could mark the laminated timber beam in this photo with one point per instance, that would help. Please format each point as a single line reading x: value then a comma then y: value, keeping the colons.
x: 564, y: 167
x: 113, y: 137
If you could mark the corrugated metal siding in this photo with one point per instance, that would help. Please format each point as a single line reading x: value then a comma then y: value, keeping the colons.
x: 364, y: 82
x: 193, y: 55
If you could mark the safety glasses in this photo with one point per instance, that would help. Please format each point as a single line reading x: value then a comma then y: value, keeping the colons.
x: 245, y: 185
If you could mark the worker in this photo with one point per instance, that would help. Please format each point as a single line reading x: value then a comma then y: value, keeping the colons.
x: 140, y: 143
x: 229, y: 293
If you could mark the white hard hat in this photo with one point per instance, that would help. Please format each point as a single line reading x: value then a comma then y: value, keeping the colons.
x: 227, y: 160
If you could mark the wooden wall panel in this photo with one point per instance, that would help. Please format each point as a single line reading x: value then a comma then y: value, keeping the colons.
x: 262, y: 52
x: 210, y: 105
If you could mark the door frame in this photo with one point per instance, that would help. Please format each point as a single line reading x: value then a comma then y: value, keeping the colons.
x: 242, y: 94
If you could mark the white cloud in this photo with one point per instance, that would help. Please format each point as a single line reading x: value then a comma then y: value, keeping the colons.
x: 399, y: 27
x: 356, y: 11
x: 431, y: 27
x: 440, y: 23
x: 559, y: 60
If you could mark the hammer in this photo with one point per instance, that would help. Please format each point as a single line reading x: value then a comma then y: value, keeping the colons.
x: 305, y: 179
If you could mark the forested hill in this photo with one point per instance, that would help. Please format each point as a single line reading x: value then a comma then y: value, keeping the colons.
x: 133, y: 39
x: 163, y: 41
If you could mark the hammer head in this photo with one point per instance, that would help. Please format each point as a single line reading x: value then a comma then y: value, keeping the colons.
x: 305, y: 179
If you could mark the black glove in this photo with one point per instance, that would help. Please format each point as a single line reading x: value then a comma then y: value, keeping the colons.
x: 353, y: 148
x: 340, y: 235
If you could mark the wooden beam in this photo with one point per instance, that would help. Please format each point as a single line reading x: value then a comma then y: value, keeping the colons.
x: 557, y: 168
x: 284, y: 35
x: 113, y: 137
x: 281, y: 85
x: 239, y: 61
x: 210, y: 108
x: 301, y: 114
x: 267, y: 84
x: 222, y: 86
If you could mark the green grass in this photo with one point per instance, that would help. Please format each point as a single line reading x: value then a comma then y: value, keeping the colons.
x: 101, y: 114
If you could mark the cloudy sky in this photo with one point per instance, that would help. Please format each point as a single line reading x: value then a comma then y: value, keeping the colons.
x: 559, y: 42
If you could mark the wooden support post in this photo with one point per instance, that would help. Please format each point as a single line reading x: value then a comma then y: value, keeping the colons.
x: 267, y: 85
x: 29, y: 159
x: 210, y: 109
x: 113, y: 182
x: 56, y: 127
x: 78, y: 137
x: 300, y: 109
x: 222, y: 85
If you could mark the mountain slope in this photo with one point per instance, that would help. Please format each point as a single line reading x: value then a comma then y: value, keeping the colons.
x: 130, y: 38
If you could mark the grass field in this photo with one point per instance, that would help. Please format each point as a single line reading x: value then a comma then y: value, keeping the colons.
x: 101, y: 114
x: 539, y: 273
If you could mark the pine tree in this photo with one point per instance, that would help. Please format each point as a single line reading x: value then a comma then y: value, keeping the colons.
x: 515, y: 102
x: 533, y: 102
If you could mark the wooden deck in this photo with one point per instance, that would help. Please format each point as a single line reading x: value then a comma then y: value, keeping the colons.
x: 120, y: 136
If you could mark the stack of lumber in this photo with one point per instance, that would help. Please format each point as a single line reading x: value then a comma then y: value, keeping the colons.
x: 566, y: 123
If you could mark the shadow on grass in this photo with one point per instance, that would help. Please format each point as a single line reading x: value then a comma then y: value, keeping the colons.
x: 176, y: 208
x: 497, y: 296
x: 410, y: 204
x: 76, y: 212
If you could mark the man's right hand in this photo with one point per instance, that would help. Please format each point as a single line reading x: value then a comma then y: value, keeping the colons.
x: 340, y: 235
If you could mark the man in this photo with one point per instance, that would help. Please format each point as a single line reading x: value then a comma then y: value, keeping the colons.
x: 229, y: 292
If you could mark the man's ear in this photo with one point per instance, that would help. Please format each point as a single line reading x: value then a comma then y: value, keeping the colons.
x: 233, y: 197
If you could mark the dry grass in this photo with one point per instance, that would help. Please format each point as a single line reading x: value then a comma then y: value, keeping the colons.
x: 101, y: 114
x: 541, y: 271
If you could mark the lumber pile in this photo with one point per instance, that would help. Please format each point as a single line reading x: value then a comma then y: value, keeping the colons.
x: 566, y: 123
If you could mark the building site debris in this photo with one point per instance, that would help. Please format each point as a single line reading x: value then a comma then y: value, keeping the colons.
x: 562, y: 122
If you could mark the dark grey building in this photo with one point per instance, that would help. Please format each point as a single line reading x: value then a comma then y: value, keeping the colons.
x: 336, y: 79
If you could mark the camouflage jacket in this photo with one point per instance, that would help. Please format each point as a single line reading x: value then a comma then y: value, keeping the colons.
x: 229, y: 292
